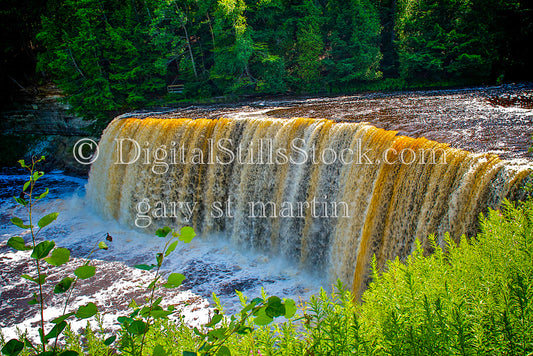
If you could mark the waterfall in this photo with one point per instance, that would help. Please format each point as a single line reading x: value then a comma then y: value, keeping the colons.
x: 324, y: 194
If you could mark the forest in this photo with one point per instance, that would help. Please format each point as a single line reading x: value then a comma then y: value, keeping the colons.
x: 109, y: 57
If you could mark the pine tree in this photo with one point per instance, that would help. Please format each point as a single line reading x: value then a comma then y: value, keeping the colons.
x: 270, y: 39
x: 352, y: 33
x: 103, y: 56
x: 309, y: 46
x: 233, y: 47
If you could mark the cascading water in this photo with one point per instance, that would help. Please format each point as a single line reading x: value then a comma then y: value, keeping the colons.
x: 328, y: 195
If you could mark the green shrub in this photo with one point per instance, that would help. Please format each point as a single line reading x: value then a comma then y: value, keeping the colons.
x: 474, y: 298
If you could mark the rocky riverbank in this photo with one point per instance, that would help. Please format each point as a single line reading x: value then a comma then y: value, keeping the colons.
x: 41, y: 124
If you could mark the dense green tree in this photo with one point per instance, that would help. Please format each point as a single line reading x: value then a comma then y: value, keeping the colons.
x: 465, y: 41
x: 193, y: 68
x: 75, y: 55
x: 268, y: 62
x: 288, y: 36
x: 387, y: 13
x: 503, y: 30
x: 352, y: 39
x: 233, y: 46
x: 102, y: 55
x: 110, y: 57
x: 309, y: 46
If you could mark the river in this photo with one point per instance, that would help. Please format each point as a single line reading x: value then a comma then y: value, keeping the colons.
x: 495, y: 120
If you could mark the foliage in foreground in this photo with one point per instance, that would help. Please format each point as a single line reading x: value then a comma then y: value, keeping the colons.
x: 475, y: 297
x: 46, y: 251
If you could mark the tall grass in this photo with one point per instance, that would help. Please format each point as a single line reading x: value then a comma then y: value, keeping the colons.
x: 475, y: 297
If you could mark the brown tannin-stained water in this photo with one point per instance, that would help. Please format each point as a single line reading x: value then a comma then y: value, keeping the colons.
x: 328, y: 191
x: 496, y: 119
x: 310, y: 222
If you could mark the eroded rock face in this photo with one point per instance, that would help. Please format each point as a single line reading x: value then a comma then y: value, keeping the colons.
x: 41, y: 124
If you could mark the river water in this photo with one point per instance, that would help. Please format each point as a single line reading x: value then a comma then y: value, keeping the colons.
x: 488, y: 119
x: 497, y: 120
x: 211, y: 266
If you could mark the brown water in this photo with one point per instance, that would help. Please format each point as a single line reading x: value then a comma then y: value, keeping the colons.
x: 263, y: 189
x: 496, y: 120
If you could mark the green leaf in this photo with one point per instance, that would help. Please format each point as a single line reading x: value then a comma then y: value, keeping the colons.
x: 59, y: 257
x: 171, y: 248
x: 18, y: 222
x: 40, y: 280
x: 223, y: 351
x: 110, y: 340
x: 290, y: 308
x: 156, y: 302
x: 86, y: 311
x: 33, y: 300
x: 12, y: 347
x: 37, y: 175
x: 22, y: 163
x: 28, y: 277
x: 274, y: 307
x: 144, y: 267
x: 45, y: 193
x: 69, y: 353
x: 84, y: 272
x: 257, y: 301
x: 62, y: 318
x: 187, y: 234
x: 47, y: 219
x: 174, y: 280
x: 163, y: 232
x: 137, y: 327
x: 42, y: 249
x: 63, y: 285
x: 152, y: 284
x: 124, y: 319
x: 21, y: 201
x: 27, y: 343
x: 252, y: 304
x: 243, y: 330
x: 42, y: 337
x: 214, y: 320
x: 26, y: 185
x: 102, y: 245
x: 262, y: 318
x: 159, y: 351
x: 145, y: 311
x: 56, y: 330
x: 160, y: 313
x: 159, y: 257
x: 17, y: 243
x: 218, y: 333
